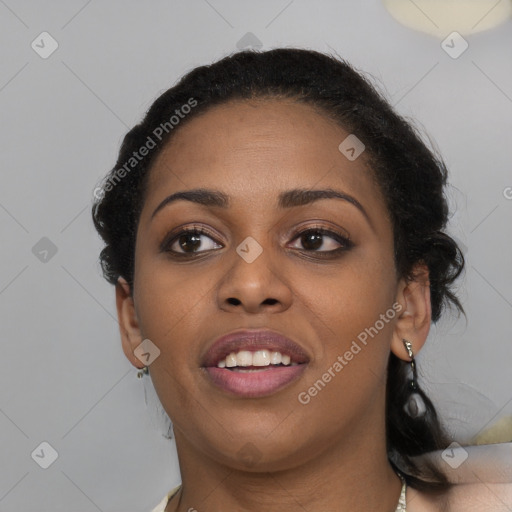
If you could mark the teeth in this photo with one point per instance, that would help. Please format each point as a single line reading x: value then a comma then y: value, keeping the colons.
x: 244, y: 358
x: 230, y: 360
x: 261, y: 358
x: 275, y: 358
x: 258, y: 358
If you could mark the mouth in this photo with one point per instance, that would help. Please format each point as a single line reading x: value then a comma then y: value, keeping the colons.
x: 254, y: 363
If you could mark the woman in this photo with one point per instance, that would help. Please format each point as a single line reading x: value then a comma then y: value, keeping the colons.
x: 274, y: 232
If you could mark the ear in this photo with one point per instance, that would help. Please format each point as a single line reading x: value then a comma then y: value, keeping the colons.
x: 131, y: 336
x: 413, y: 323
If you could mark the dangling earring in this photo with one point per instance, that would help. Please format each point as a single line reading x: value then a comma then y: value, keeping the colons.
x: 142, y: 372
x: 414, y: 406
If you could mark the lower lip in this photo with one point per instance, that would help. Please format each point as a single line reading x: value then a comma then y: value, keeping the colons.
x: 257, y: 383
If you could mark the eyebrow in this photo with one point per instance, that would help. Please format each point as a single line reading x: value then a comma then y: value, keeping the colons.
x: 288, y: 199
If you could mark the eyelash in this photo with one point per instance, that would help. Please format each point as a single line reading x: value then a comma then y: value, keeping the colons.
x: 343, y: 240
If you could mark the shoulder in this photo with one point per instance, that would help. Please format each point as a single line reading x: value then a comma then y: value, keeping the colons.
x: 474, y: 497
x: 480, y: 497
x: 161, y: 506
x: 165, y: 500
x: 481, y: 478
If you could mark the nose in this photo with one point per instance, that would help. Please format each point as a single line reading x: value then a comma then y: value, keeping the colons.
x: 255, y: 287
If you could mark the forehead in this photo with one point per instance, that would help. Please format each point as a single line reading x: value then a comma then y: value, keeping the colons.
x: 252, y: 149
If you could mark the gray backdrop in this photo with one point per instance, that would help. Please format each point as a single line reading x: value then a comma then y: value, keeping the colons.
x: 64, y: 379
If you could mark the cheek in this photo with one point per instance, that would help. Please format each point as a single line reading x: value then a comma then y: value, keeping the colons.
x: 351, y: 296
x: 170, y: 312
x: 348, y: 373
x: 346, y: 309
x: 170, y: 309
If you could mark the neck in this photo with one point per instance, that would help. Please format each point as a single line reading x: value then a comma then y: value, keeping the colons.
x: 353, y: 474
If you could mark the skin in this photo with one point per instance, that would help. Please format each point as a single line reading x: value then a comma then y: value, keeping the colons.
x: 330, y: 454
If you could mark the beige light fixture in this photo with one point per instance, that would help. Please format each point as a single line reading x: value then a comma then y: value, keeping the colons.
x: 441, y: 17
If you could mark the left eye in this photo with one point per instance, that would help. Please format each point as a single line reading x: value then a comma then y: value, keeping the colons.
x: 190, y: 241
x: 322, y: 240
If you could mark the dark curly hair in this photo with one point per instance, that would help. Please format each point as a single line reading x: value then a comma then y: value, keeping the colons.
x: 411, y: 177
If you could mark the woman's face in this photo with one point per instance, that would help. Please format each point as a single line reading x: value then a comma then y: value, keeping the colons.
x: 319, y: 291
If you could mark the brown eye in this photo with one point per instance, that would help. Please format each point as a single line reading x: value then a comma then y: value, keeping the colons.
x: 312, y: 240
x: 191, y: 241
x: 322, y: 240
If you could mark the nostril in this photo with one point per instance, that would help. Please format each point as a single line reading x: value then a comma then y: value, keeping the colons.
x: 236, y: 302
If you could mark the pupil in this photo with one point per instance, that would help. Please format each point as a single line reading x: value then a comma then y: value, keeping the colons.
x: 314, y: 240
x: 189, y: 242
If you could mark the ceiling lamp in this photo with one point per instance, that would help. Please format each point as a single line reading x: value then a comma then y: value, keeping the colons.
x: 442, y: 17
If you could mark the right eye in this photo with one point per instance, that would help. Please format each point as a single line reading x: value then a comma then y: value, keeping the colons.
x: 190, y: 241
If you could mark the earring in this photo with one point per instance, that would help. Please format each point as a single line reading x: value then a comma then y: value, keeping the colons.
x: 142, y: 372
x: 414, y: 406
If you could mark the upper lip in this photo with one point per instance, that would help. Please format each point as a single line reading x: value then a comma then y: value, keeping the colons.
x: 252, y: 340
